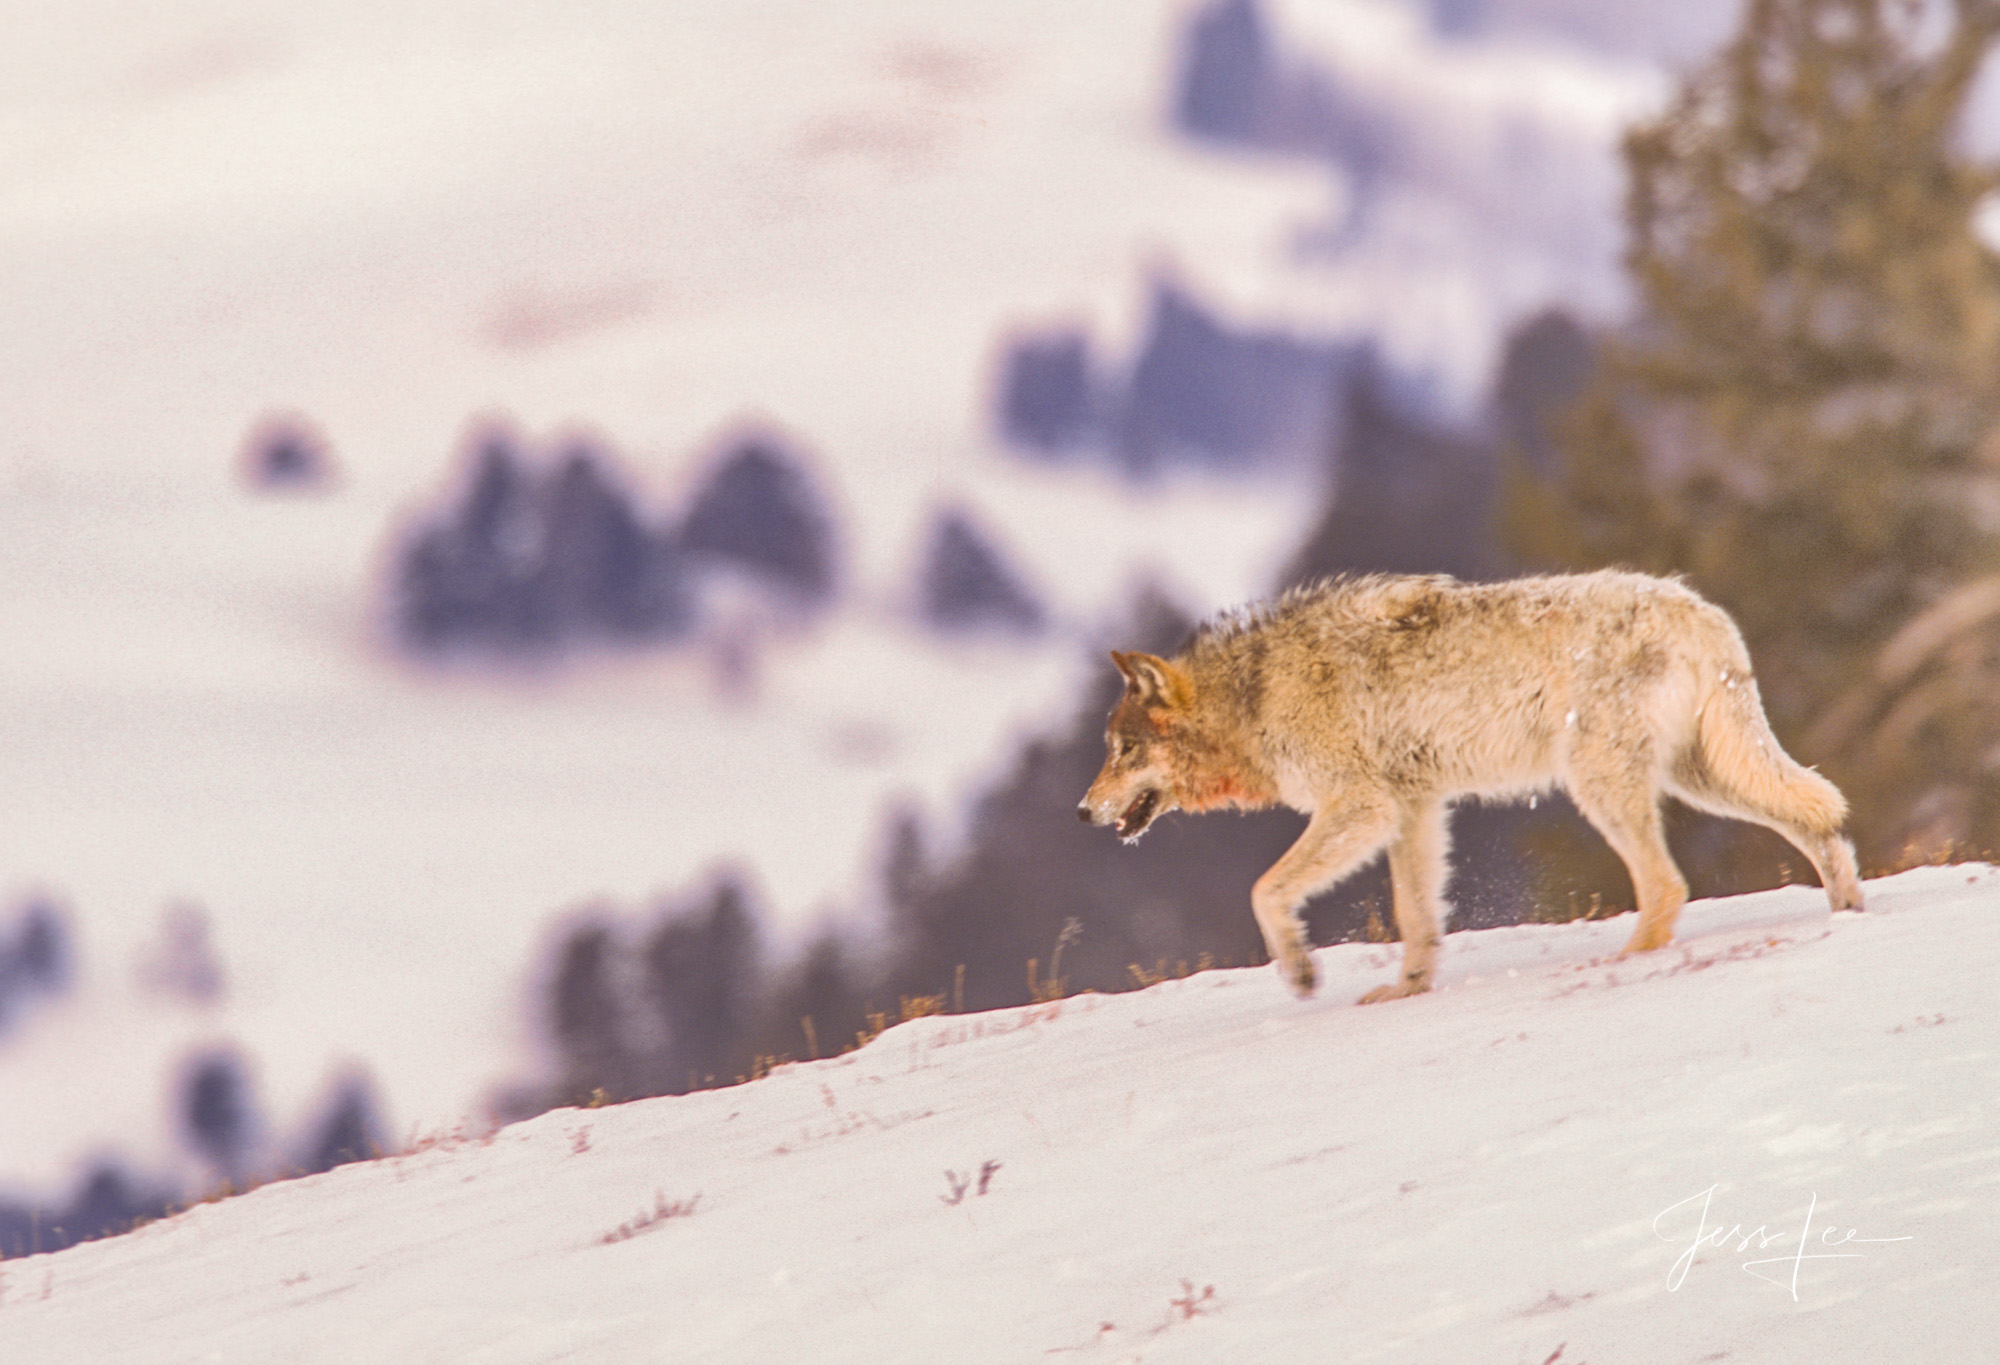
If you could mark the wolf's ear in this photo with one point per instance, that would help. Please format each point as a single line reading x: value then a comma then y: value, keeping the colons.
x: 1152, y: 681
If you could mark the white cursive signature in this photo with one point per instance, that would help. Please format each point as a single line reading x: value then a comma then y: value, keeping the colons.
x: 1762, y: 1237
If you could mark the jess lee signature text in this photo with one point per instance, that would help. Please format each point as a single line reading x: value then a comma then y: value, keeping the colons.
x: 1804, y: 1247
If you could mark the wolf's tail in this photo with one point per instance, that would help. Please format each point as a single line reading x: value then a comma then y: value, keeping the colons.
x: 1738, y: 762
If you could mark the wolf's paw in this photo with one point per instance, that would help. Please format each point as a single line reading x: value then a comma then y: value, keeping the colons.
x: 1299, y: 974
x: 1647, y: 938
x: 1395, y: 991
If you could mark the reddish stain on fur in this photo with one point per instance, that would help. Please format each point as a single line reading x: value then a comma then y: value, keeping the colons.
x: 1210, y: 790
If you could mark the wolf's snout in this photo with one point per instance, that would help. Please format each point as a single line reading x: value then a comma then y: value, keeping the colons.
x: 1083, y: 813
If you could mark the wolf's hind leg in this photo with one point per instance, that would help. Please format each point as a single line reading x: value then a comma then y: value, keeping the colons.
x: 1417, y: 877
x: 1619, y: 798
x: 1780, y: 795
x: 1338, y: 839
x: 1833, y: 858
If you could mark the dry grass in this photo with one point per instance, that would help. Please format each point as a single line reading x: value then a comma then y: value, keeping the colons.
x: 1055, y: 986
x: 1142, y: 977
x: 646, y: 1220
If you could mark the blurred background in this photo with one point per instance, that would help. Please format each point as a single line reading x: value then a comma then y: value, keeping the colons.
x: 554, y: 553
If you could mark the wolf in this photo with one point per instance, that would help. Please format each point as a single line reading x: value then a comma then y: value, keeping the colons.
x: 1371, y: 703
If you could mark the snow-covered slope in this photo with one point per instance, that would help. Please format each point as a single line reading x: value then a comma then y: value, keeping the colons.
x: 1514, y: 1168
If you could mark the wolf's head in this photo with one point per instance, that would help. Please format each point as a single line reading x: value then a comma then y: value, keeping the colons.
x: 1137, y: 783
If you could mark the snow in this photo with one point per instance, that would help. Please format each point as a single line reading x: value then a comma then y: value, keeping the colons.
x: 1511, y: 1168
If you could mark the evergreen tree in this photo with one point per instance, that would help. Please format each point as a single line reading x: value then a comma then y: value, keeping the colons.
x: 759, y: 511
x: 968, y: 586
x: 218, y: 1112
x: 1802, y: 417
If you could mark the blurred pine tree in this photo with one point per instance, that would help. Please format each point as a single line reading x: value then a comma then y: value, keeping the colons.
x: 1804, y: 416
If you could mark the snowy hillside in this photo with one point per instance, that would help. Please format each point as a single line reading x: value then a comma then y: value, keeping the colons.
x: 1773, y: 1141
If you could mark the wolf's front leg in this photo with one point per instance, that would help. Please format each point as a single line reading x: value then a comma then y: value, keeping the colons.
x: 1285, y: 941
x: 1339, y: 838
x: 1416, y: 880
